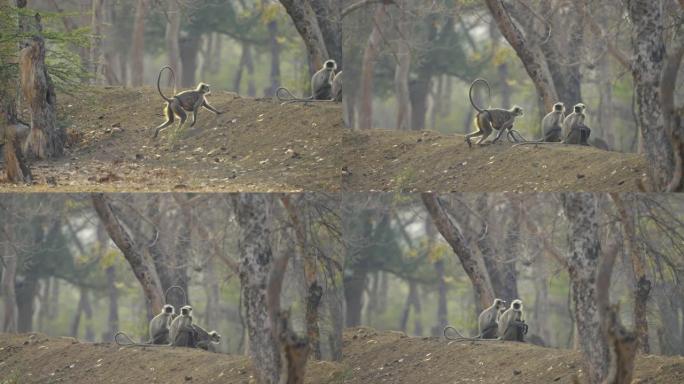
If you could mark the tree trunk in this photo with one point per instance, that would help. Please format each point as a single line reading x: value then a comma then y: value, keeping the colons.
x: 46, y: 139
x: 9, y: 273
x: 401, y: 77
x: 642, y: 289
x: 138, y: 44
x: 583, y: 263
x: 96, y: 61
x: 189, y: 50
x: 328, y: 15
x: 648, y: 45
x: 26, y: 292
x: 256, y: 259
x: 275, y: 58
x: 478, y: 276
x: 354, y: 286
x: 306, y: 22
x: 531, y: 60
x: 172, y: 36
x: 142, y: 268
x: 370, y: 54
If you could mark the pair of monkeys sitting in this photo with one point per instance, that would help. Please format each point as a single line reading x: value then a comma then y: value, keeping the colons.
x: 555, y: 125
x: 498, y: 323
x: 178, y: 330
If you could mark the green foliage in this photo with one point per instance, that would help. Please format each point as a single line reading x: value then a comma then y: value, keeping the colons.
x: 63, y: 62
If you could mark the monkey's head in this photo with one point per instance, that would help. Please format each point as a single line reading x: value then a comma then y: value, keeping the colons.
x: 516, y: 305
x: 579, y: 108
x: 214, y: 337
x: 559, y: 107
x: 186, y: 310
x: 330, y: 65
x: 168, y: 309
x: 517, y: 111
x: 203, y: 88
x: 499, y: 304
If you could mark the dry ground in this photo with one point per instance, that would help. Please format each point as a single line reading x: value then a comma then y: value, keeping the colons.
x: 383, y: 160
x: 257, y: 145
x: 370, y: 357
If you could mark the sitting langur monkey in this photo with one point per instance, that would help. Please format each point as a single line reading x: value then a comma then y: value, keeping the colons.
x: 321, y: 86
x: 181, y: 331
x: 574, y: 130
x: 337, y: 87
x: 487, y: 323
x: 490, y: 119
x: 512, y: 325
x: 206, y: 340
x: 186, y: 101
x: 552, y: 124
x: 159, y: 326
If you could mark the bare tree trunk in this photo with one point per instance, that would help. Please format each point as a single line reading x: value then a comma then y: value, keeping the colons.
x: 9, y: 274
x: 648, y: 46
x: 583, y: 262
x: 401, y: 76
x: 370, y: 54
x: 46, y: 139
x: 642, y: 289
x: 306, y: 22
x: 142, y: 268
x: 478, y: 276
x: 138, y: 44
x: 275, y: 57
x: 96, y: 41
x: 189, y: 50
x: 531, y: 60
x: 256, y: 255
x: 172, y: 37
x: 26, y: 292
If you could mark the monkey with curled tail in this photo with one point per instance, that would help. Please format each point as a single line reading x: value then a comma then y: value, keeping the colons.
x: 512, y: 325
x: 323, y: 86
x: 488, y: 120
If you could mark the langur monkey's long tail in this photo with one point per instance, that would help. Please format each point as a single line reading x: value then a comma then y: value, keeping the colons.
x: 284, y: 96
x: 128, y: 342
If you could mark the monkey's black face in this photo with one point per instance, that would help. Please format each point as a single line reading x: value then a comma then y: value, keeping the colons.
x: 558, y: 107
x: 330, y: 64
x: 579, y: 108
x: 168, y: 309
x: 516, y: 306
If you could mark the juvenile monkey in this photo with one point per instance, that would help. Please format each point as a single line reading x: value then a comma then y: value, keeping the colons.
x: 337, y: 87
x: 321, y: 86
x: 490, y: 119
x: 487, y: 322
x: 186, y: 101
x: 181, y: 331
x: 552, y: 124
x: 159, y: 326
x: 206, y: 340
x: 512, y: 325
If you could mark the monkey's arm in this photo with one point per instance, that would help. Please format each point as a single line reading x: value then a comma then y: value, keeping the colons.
x: 209, y: 107
x: 504, y: 127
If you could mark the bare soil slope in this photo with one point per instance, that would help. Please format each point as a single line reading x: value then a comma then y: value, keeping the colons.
x: 383, y: 160
x: 28, y: 359
x: 257, y: 145
x: 370, y: 357
x: 391, y: 357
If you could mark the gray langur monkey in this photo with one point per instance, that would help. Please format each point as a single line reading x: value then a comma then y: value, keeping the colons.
x: 337, y: 87
x: 487, y: 323
x: 186, y: 101
x: 321, y: 86
x: 576, y: 117
x: 574, y: 129
x: 159, y: 325
x: 206, y: 340
x: 552, y: 124
x: 488, y: 120
x: 512, y: 325
x: 181, y: 331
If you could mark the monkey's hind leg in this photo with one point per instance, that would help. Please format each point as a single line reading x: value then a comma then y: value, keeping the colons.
x: 169, y: 120
x: 479, y: 132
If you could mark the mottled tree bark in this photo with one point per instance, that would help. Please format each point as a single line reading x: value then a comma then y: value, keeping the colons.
x: 256, y: 259
x: 305, y: 20
x: 583, y: 262
x: 484, y: 294
x: 142, y: 267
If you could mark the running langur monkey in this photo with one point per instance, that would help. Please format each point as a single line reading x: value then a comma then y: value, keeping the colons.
x: 181, y: 331
x: 159, y: 326
x: 490, y: 119
x: 512, y: 325
x: 186, y: 101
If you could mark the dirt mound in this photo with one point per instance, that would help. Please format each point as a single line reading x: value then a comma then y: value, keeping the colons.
x: 36, y: 359
x: 391, y: 357
x: 257, y: 145
x: 383, y: 160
